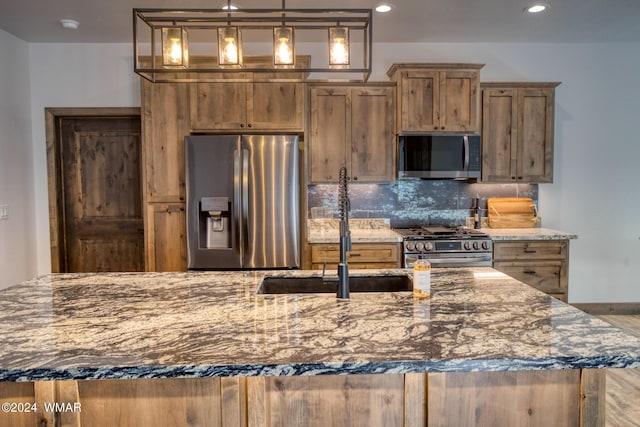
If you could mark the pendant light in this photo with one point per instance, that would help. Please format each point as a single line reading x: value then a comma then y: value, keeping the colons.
x: 175, y: 51
x: 283, y: 44
x: 162, y: 53
x: 229, y: 43
x: 338, y: 47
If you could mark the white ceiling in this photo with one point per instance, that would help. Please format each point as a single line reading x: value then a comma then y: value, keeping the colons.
x: 572, y: 21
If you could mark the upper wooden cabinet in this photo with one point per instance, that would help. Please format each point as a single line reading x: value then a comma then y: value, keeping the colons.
x: 517, y: 132
x: 241, y: 106
x: 352, y: 126
x: 437, y: 97
x: 165, y: 122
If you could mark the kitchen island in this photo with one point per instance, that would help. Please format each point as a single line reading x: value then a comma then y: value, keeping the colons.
x: 206, y: 349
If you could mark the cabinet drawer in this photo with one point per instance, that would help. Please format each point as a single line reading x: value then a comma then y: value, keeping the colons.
x: 549, y: 276
x: 530, y: 250
x: 360, y: 253
x: 356, y: 265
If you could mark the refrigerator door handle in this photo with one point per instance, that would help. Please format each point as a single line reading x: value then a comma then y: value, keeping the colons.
x: 244, y: 212
x: 237, y: 203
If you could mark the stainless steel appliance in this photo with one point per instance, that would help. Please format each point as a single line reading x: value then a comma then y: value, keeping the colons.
x: 446, y: 246
x: 439, y: 156
x: 242, y: 201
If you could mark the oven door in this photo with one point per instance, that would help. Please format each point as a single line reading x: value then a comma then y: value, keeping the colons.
x: 477, y: 259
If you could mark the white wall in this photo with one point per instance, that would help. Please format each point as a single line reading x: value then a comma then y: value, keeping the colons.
x: 594, y: 193
x: 17, y: 237
x: 73, y: 75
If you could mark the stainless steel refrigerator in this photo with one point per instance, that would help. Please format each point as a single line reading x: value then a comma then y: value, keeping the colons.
x: 242, y: 201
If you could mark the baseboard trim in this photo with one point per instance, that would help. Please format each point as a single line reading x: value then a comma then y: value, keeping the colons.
x: 610, y: 308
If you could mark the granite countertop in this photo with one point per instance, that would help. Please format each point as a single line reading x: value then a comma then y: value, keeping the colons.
x: 380, y: 231
x: 527, y: 234
x: 203, y: 324
x: 362, y: 231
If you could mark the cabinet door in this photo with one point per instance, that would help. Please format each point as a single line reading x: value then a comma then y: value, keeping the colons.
x: 419, y: 100
x: 218, y: 106
x: 278, y: 106
x: 499, y: 134
x: 330, y: 124
x: 166, y: 245
x: 535, y: 139
x: 362, y: 255
x: 546, y: 276
x: 165, y: 123
x: 459, y: 101
x: 372, y: 137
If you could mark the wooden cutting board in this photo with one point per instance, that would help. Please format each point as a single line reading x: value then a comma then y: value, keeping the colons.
x: 511, y: 212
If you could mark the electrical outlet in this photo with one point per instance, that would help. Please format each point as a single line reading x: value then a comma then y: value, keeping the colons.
x: 4, y: 212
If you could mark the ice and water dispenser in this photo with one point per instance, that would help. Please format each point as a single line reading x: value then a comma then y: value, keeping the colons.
x: 215, y: 230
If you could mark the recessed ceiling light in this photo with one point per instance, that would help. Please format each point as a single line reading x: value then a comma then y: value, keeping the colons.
x: 229, y: 6
x: 536, y: 8
x: 69, y: 24
x: 383, y: 7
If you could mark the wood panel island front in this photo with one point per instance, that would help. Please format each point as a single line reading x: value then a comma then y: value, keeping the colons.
x: 205, y: 349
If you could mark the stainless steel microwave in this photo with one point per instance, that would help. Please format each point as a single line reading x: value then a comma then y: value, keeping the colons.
x: 439, y: 156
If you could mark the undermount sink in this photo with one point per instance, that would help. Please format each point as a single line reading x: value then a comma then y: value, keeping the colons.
x: 312, y: 285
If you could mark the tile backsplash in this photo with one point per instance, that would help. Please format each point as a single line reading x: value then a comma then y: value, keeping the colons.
x: 417, y: 202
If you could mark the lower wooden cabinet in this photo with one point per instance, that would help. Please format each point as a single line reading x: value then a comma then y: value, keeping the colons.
x: 566, y: 397
x: 165, y: 237
x: 362, y: 255
x: 543, y: 265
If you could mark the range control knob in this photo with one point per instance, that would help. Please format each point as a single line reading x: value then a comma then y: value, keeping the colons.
x: 467, y: 245
x: 410, y: 246
x: 419, y: 246
x: 476, y: 245
x: 428, y: 246
x: 485, y: 245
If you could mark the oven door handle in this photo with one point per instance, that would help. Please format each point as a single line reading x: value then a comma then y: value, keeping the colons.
x: 457, y: 260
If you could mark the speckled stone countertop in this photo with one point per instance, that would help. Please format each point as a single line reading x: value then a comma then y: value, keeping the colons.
x: 362, y: 231
x: 203, y: 324
x: 527, y: 234
x: 379, y: 231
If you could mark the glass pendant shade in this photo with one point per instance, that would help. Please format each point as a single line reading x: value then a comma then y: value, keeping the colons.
x: 175, y: 47
x: 283, y: 46
x: 339, y: 47
x: 229, y: 46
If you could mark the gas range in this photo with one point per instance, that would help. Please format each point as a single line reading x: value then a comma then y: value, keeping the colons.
x: 446, y: 246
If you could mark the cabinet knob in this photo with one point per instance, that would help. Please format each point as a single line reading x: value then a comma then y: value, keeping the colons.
x: 241, y: 125
x: 513, y: 178
x: 355, y: 178
x: 520, y: 178
x: 442, y: 128
x: 249, y: 125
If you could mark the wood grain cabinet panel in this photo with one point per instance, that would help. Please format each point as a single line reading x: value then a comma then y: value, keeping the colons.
x: 499, y: 399
x: 437, y: 97
x: 165, y: 123
x: 517, y: 132
x: 352, y: 126
x: 543, y: 265
x: 165, y: 241
x: 362, y: 255
x: 253, y: 106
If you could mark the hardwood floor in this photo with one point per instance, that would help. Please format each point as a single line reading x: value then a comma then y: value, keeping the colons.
x: 623, y: 385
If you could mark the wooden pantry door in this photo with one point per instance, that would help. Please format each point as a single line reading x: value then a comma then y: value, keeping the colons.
x: 99, y: 198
